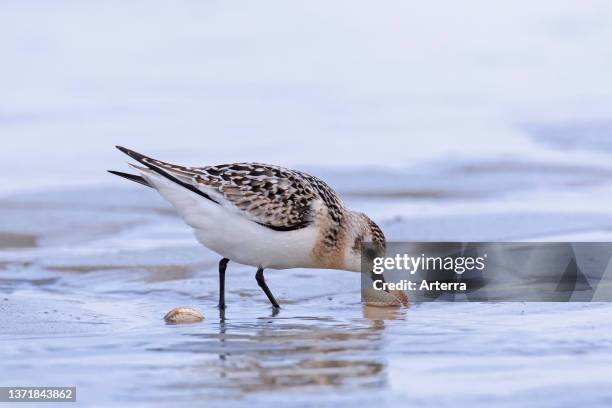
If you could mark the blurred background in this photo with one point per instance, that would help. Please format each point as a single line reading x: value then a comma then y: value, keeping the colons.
x: 317, y: 84
x: 444, y: 121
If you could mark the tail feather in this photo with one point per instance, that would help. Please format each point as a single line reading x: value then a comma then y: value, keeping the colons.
x: 163, y: 169
x: 132, y: 177
x: 134, y: 155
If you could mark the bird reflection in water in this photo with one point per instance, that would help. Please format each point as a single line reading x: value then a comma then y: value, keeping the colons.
x: 277, y: 352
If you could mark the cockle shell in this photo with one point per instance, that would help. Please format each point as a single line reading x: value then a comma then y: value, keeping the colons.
x: 382, y: 298
x: 183, y: 315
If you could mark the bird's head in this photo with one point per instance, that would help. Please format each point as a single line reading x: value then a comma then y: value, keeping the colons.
x: 367, y: 243
x: 363, y: 235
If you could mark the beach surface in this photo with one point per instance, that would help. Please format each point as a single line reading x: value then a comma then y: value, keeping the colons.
x: 457, y: 122
x: 88, y: 274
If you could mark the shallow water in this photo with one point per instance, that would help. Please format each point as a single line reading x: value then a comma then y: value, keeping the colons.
x: 87, y: 275
x: 467, y: 122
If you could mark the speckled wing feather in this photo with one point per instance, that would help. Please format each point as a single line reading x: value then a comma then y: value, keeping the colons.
x: 272, y: 196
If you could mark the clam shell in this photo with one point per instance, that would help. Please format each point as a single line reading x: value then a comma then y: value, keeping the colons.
x: 382, y: 298
x: 183, y: 315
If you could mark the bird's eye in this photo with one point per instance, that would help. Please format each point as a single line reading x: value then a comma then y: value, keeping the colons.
x: 370, y: 253
x: 357, y: 244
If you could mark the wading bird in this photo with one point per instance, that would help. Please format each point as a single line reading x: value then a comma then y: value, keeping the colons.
x: 264, y: 216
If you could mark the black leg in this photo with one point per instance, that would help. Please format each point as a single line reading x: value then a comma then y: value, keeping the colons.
x: 222, y: 265
x: 262, y: 284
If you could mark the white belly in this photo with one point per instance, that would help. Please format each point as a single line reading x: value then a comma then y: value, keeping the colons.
x: 252, y: 244
x: 235, y: 237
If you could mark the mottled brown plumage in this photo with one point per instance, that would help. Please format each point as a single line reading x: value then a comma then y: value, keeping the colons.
x: 262, y: 215
x: 269, y: 195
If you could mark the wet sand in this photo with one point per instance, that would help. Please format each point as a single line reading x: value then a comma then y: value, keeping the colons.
x: 488, y: 122
x: 86, y: 277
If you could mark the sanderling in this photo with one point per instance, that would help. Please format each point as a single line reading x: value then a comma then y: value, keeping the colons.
x: 264, y: 216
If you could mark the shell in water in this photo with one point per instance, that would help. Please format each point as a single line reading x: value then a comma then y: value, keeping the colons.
x: 183, y: 315
x: 382, y: 298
